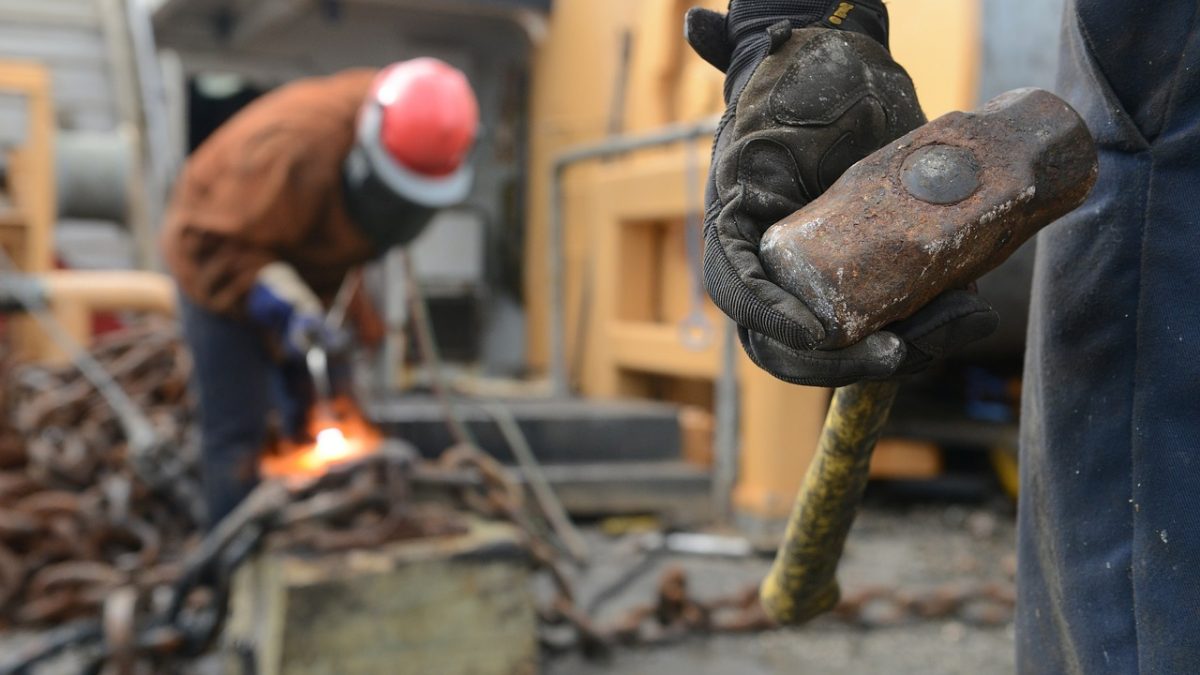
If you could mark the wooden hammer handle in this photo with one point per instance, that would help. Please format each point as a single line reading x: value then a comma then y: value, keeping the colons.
x: 802, y: 582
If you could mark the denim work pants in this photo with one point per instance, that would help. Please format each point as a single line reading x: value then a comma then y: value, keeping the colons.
x: 237, y: 386
x: 1109, y: 525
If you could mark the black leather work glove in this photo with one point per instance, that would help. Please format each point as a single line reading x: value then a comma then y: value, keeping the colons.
x: 810, y: 89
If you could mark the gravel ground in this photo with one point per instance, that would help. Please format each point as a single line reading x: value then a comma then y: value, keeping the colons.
x: 910, y: 548
x: 929, y: 649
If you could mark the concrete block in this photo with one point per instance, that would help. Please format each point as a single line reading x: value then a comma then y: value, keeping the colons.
x: 457, y: 605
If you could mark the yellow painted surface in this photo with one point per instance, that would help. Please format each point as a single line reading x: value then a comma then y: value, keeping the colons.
x: 696, y: 425
x: 27, y: 221
x: 574, y: 79
x: 939, y: 43
x: 780, y: 424
x: 906, y: 458
x: 31, y: 185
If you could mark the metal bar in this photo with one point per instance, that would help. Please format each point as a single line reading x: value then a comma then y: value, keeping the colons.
x: 427, y: 343
x: 725, y: 442
x: 395, y: 318
x: 556, y: 253
x: 336, y: 316
x: 137, y: 427
x: 161, y: 156
x: 141, y: 179
x: 531, y: 469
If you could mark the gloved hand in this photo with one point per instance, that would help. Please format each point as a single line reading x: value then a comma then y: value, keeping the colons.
x: 282, y: 303
x: 802, y: 106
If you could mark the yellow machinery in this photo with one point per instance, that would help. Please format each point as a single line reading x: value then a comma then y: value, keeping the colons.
x: 631, y: 321
x: 27, y: 218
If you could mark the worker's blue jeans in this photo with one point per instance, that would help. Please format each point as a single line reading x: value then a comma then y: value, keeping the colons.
x: 1109, y: 531
x: 237, y: 385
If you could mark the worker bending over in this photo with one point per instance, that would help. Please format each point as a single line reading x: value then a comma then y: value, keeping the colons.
x: 272, y: 212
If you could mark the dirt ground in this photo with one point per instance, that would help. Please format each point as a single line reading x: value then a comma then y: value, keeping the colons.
x: 906, y: 547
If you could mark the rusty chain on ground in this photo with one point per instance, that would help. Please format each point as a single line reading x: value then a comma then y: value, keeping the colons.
x: 109, y: 561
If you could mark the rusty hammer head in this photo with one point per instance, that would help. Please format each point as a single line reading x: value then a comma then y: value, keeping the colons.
x: 932, y: 211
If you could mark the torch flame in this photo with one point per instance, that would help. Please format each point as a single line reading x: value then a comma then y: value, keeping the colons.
x: 332, y: 445
x: 347, y: 437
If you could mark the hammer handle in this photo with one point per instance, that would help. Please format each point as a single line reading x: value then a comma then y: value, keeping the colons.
x: 802, y: 582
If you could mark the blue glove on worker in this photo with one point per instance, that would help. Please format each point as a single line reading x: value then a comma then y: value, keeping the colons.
x: 283, y: 304
x: 802, y: 106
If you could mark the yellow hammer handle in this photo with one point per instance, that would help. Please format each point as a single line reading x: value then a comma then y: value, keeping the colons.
x: 802, y: 582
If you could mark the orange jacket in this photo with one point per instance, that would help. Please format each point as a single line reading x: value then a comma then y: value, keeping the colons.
x: 267, y: 187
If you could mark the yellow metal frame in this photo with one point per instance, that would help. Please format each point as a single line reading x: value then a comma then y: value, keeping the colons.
x: 639, y: 292
x: 27, y: 230
x: 626, y: 273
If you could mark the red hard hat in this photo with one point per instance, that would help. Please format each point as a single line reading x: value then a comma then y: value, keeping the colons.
x: 429, y: 115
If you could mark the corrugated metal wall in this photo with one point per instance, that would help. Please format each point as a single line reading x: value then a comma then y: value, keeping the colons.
x: 68, y: 36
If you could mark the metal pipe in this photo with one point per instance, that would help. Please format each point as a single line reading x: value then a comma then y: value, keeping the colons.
x: 556, y: 253
x: 109, y: 290
x: 90, y: 291
x: 91, y: 175
x: 548, y: 502
x: 139, y: 432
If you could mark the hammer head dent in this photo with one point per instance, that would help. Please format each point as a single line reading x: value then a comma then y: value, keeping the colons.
x: 932, y: 211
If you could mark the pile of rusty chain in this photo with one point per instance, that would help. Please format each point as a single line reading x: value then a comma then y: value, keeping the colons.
x: 162, y: 617
x: 675, y: 613
x: 114, y: 560
x: 75, y: 522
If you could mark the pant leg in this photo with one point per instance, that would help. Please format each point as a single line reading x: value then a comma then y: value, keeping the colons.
x: 1109, y: 532
x: 231, y: 376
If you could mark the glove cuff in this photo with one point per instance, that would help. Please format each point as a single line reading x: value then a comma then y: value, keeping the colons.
x: 749, y: 18
x: 748, y: 21
x: 284, y: 282
x: 277, y: 295
x: 869, y: 17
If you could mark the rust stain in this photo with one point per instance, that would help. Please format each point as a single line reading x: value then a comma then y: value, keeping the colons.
x: 932, y: 211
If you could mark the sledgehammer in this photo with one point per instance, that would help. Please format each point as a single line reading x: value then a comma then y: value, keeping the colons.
x: 932, y: 211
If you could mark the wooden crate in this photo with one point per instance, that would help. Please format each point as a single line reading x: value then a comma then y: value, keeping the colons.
x: 453, y: 606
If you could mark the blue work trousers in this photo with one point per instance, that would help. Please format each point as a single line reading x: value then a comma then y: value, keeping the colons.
x: 1109, y: 524
x: 237, y: 386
